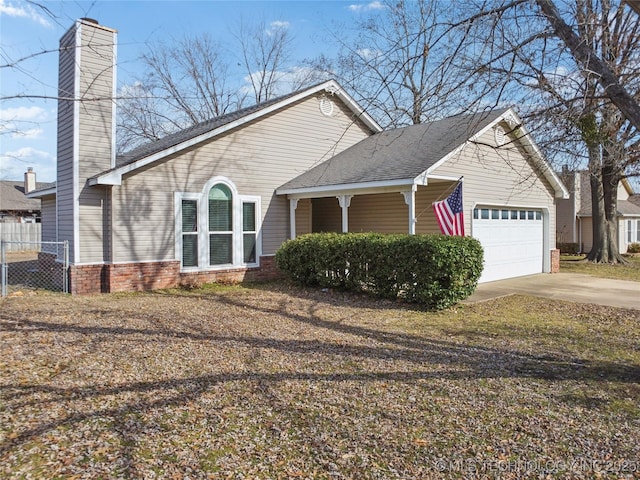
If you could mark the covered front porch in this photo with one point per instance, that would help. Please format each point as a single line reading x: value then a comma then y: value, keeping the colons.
x: 402, y: 208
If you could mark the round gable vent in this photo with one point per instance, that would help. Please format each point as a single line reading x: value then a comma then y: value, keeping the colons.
x: 326, y: 106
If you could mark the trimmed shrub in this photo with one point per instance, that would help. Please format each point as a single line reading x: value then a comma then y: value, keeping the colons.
x: 569, y: 248
x: 434, y: 270
x: 633, y: 248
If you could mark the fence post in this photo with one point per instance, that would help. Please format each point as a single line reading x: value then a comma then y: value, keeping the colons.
x: 3, y: 269
x: 65, y: 267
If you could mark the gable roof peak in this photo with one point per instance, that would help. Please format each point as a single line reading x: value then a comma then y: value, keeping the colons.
x: 200, y: 132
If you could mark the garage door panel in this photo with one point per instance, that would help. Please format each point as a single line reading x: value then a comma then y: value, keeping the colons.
x: 512, y: 247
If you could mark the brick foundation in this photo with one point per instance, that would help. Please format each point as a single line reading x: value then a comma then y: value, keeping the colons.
x: 555, y: 260
x: 87, y: 279
x: 266, y: 271
x: 128, y: 277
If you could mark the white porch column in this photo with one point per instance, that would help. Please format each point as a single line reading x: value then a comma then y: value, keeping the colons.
x: 345, y: 201
x: 293, y: 204
x: 410, y: 200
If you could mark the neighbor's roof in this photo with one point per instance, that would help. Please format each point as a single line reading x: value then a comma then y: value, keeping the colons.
x: 154, y: 151
x: 403, y: 154
x: 12, y: 196
x: 625, y: 207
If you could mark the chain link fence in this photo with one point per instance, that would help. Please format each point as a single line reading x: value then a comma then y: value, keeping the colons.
x: 33, y: 266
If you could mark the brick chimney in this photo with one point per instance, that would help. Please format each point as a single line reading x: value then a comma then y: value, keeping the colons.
x: 29, y: 180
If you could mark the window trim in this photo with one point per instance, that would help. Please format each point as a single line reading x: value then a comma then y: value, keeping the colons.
x: 203, y: 226
x: 178, y: 198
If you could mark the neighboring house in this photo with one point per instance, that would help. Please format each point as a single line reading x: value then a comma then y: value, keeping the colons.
x: 574, y: 222
x: 215, y: 201
x: 15, y: 207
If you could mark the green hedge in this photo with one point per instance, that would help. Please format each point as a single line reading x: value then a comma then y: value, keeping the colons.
x: 569, y: 248
x: 434, y: 270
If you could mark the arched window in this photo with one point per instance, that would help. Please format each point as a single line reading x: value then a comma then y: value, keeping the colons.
x: 217, y: 228
x: 220, y: 225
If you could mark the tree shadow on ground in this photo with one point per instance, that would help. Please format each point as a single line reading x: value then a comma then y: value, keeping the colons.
x: 445, y: 359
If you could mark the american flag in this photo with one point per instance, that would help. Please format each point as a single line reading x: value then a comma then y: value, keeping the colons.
x: 449, y: 213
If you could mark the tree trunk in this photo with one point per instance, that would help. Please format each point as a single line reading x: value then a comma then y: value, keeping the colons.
x: 610, y: 179
x: 599, y: 249
x: 604, y: 179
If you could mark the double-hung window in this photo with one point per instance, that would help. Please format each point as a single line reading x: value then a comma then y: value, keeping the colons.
x: 217, y: 228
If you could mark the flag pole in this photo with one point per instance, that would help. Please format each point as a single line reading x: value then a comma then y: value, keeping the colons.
x: 451, y: 188
x: 446, y: 192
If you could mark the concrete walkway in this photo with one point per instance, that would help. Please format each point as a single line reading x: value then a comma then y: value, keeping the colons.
x: 572, y: 287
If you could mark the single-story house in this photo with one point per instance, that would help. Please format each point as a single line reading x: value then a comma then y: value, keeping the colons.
x: 215, y: 201
x: 574, y: 222
x: 15, y: 206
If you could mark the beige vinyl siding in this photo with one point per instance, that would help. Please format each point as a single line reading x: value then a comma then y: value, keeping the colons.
x: 498, y: 176
x: 95, y: 131
x: 586, y: 226
x: 257, y: 158
x: 65, y: 151
x: 303, y: 216
x: 566, y: 228
x: 327, y: 215
x: 383, y: 213
x: 622, y: 192
x: 48, y: 219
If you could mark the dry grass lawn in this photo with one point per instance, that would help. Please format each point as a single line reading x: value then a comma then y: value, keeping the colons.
x: 278, y: 382
x: 576, y: 264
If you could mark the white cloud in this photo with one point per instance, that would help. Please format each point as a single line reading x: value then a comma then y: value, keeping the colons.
x: 362, y: 7
x: 287, y: 80
x: 13, y: 120
x: 279, y: 24
x: 22, y: 11
x: 22, y: 114
x: 30, y: 134
x: 14, y: 164
x: 368, y: 53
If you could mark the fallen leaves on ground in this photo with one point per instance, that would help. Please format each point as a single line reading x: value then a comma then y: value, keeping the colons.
x: 279, y: 382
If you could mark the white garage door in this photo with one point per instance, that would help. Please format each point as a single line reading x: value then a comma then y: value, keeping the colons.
x: 512, y: 240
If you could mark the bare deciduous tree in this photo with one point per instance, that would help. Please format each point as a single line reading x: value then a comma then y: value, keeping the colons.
x: 590, y: 97
x: 186, y: 83
x: 265, y: 52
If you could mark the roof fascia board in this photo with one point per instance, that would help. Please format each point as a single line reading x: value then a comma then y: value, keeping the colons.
x: 42, y: 193
x: 114, y: 177
x: 513, y: 120
x: 460, y: 147
x: 360, y: 188
x: 627, y: 186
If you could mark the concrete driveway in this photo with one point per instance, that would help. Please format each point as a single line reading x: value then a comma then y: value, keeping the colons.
x: 572, y: 287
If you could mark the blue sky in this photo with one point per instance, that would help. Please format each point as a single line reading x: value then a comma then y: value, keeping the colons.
x: 28, y: 125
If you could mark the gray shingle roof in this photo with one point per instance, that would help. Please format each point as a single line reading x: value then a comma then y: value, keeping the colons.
x: 195, y: 130
x: 12, y: 196
x: 401, y: 153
